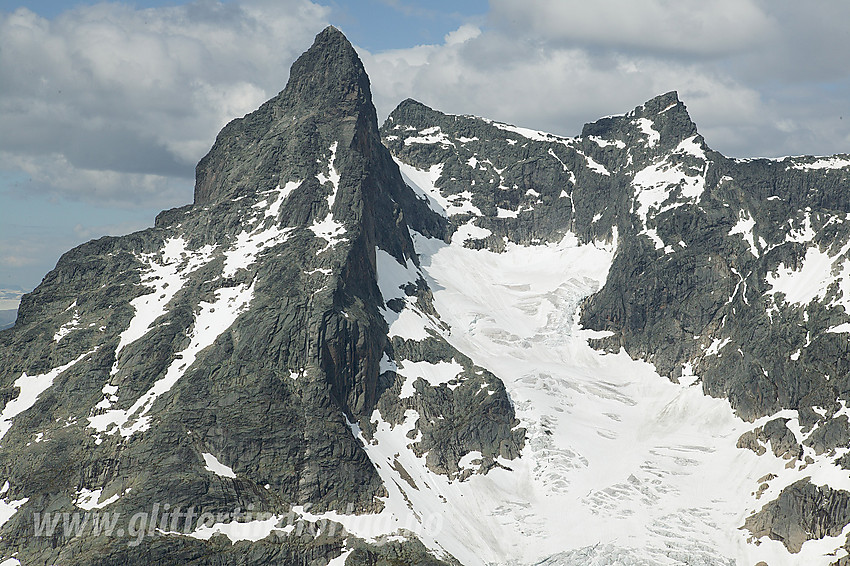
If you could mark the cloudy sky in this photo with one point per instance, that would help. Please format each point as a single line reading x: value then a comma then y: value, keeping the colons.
x: 106, y: 107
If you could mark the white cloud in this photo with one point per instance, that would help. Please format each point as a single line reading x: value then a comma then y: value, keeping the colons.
x: 10, y: 259
x: 463, y: 34
x: 704, y: 27
x: 88, y: 232
x: 127, y: 100
x: 744, y: 68
x: 54, y: 173
x: 553, y: 88
x: 115, y: 104
x: 27, y: 250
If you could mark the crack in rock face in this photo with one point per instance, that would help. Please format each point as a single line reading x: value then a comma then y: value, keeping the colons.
x: 444, y: 340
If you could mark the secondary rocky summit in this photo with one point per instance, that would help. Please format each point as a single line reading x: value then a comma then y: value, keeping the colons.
x: 448, y: 341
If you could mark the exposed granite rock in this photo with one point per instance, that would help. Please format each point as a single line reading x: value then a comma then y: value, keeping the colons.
x: 782, y: 441
x: 833, y: 433
x: 269, y: 345
x: 393, y: 553
x: 704, y: 243
x: 471, y: 413
x: 801, y: 512
x: 700, y: 239
x: 291, y: 203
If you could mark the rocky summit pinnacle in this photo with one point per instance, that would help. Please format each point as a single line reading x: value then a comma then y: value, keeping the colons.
x: 449, y: 340
x: 330, y: 74
x: 666, y: 113
x: 327, y: 89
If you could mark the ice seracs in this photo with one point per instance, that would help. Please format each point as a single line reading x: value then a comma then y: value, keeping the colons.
x: 513, y: 314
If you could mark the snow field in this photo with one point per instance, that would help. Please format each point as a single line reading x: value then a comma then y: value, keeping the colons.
x: 618, y: 459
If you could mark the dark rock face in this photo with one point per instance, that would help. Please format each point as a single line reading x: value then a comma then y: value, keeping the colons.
x: 471, y: 413
x: 831, y: 434
x: 264, y: 343
x: 802, y: 512
x: 702, y: 283
x: 783, y: 443
x: 239, y: 355
x: 699, y: 235
x: 328, y: 89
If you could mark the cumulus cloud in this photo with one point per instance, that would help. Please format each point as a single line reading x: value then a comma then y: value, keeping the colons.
x: 115, y: 105
x: 109, y: 102
x: 112, y: 106
x: 674, y: 27
x: 21, y: 253
x: 55, y: 174
x: 758, y: 77
x: 553, y: 88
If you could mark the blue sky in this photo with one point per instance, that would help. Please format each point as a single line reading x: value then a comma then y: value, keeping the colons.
x: 106, y: 107
x: 375, y: 25
x: 36, y: 227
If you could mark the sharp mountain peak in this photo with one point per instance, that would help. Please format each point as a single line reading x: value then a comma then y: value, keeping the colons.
x: 375, y: 329
x: 329, y: 74
x: 327, y: 98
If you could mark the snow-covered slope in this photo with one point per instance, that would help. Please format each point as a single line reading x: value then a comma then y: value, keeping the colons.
x: 463, y: 342
x: 621, y: 465
x: 729, y: 279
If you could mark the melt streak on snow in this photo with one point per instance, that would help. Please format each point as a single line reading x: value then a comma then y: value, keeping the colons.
x: 620, y: 465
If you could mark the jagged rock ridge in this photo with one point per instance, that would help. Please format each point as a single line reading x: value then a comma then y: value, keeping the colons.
x: 729, y: 274
x: 244, y: 328
x: 352, y: 332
